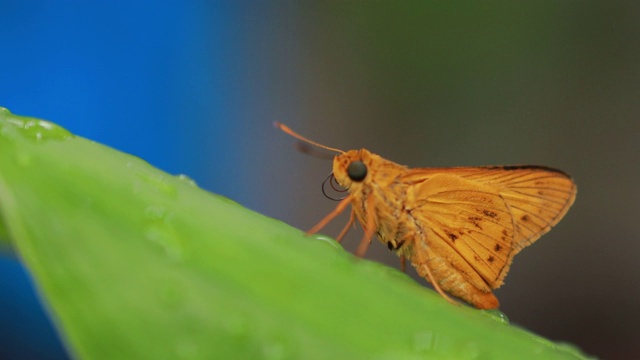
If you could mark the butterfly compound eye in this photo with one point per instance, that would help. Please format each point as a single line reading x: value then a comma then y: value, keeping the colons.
x: 357, y: 171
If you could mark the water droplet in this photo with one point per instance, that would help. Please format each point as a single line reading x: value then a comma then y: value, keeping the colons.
x: 161, y: 233
x: 161, y: 236
x: 186, y: 179
x: 424, y: 341
x: 326, y: 240
x: 31, y: 128
x: 544, y: 344
x: 155, y: 212
x: 496, y: 315
x: 158, y: 180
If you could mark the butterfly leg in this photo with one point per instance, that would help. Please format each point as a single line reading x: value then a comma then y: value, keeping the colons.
x: 344, y: 231
x: 340, y: 208
x: 368, y: 229
x: 403, y: 264
x: 436, y: 286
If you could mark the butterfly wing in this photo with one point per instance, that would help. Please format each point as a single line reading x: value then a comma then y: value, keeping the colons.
x: 481, y: 217
x: 538, y: 197
x: 468, y: 223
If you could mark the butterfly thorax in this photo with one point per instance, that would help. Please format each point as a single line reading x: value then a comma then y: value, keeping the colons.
x: 383, y: 187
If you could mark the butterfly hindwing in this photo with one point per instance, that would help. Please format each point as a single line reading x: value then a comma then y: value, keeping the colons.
x: 470, y: 220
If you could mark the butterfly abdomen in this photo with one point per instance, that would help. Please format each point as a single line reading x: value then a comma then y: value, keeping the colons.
x: 452, y: 281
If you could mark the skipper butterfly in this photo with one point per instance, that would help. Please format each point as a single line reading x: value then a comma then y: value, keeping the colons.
x: 460, y: 227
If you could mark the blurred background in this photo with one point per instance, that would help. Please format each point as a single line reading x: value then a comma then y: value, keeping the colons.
x: 194, y: 86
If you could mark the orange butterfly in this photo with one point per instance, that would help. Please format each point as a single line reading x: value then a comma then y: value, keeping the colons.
x: 460, y: 227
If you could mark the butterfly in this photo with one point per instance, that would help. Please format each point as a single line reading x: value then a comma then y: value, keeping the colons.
x: 460, y: 227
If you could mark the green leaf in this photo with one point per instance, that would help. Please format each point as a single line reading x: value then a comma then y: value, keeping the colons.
x: 134, y: 263
x: 4, y: 235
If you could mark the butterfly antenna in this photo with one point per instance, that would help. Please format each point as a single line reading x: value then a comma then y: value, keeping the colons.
x: 308, y: 149
x: 287, y: 130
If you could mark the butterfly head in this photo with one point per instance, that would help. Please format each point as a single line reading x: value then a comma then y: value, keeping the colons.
x: 352, y: 169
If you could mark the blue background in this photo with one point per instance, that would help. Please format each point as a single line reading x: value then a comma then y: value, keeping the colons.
x: 154, y: 79
x: 193, y: 87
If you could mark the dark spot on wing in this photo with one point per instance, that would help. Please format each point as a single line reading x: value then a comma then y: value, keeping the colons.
x: 525, y: 218
x: 497, y: 247
x: 490, y: 259
x: 451, y: 235
x: 475, y: 220
x: 490, y: 213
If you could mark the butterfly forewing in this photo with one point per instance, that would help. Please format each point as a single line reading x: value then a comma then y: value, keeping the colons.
x: 489, y: 214
x: 537, y: 197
